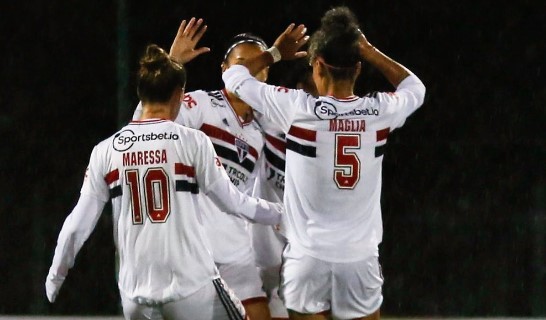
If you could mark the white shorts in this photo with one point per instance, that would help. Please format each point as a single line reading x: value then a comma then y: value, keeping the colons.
x: 271, y: 279
x: 214, y: 301
x: 348, y: 290
x: 243, y: 278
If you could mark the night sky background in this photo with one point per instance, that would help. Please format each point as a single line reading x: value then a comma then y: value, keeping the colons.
x: 464, y: 181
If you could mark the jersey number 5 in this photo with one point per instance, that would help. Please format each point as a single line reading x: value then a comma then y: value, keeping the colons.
x: 346, y: 162
x: 155, y: 191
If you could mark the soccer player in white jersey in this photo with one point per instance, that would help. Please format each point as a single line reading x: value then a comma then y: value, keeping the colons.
x: 152, y: 170
x: 238, y: 141
x: 335, y: 146
x: 267, y: 241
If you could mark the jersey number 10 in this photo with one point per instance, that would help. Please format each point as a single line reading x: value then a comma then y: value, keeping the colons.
x: 155, y: 191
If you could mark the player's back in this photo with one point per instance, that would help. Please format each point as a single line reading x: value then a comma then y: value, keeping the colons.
x: 333, y: 177
x: 151, y: 173
x: 334, y: 151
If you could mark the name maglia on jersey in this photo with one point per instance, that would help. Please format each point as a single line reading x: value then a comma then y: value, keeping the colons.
x: 334, y: 153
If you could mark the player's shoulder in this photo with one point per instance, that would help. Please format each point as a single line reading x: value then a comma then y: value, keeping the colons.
x: 382, y: 98
x: 105, y: 147
x: 113, y: 139
x: 204, y: 99
x: 187, y: 132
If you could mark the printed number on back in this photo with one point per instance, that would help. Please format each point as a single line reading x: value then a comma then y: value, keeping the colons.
x: 346, y: 161
x: 151, y: 195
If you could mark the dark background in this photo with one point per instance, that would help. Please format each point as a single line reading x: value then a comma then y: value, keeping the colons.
x: 464, y: 184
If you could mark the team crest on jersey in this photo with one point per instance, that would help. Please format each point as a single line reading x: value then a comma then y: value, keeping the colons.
x: 242, y: 149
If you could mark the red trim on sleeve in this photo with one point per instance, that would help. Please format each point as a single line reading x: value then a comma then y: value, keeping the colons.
x: 180, y: 168
x: 383, y: 134
x: 112, y: 176
x: 302, y: 133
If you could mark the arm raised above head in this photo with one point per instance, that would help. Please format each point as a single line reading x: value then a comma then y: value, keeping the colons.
x: 183, y: 47
x: 390, y: 69
x: 286, y: 47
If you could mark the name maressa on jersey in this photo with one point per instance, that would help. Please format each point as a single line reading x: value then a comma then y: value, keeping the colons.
x: 145, y: 157
x: 127, y: 139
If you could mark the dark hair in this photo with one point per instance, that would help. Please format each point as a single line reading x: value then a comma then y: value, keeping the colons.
x: 246, y: 37
x: 336, y: 42
x: 158, y: 75
x: 299, y: 73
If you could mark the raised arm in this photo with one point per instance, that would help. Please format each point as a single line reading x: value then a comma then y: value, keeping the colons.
x: 188, y: 35
x: 286, y: 47
x: 392, y: 70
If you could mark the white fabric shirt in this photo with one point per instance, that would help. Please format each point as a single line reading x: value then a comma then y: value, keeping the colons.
x: 270, y: 179
x: 333, y: 161
x: 267, y: 242
x: 153, y: 171
x: 238, y: 146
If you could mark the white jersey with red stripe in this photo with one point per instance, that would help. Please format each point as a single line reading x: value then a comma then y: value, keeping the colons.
x: 333, y: 161
x: 271, y: 175
x: 238, y: 146
x: 267, y: 242
x: 153, y: 171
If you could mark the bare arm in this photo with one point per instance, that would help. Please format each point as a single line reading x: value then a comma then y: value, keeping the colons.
x: 288, y: 43
x: 183, y: 46
x: 392, y: 70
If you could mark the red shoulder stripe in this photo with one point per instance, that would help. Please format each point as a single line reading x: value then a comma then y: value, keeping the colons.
x: 180, y: 168
x: 112, y: 176
x: 383, y: 134
x: 302, y: 133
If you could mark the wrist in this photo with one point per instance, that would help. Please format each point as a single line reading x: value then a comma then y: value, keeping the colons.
x: 275, y: 54
x: 367, y: 51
